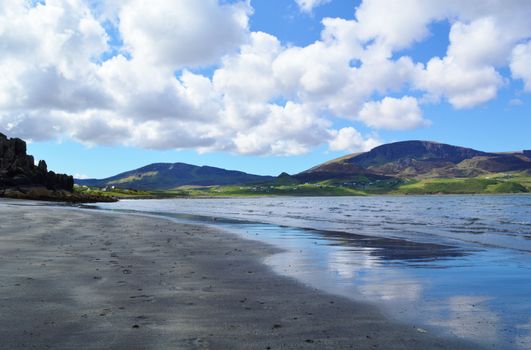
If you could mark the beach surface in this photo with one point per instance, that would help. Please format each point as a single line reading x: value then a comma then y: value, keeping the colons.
x: 90, y: 280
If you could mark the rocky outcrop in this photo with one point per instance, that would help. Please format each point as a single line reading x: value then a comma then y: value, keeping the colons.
x: 18, y: 172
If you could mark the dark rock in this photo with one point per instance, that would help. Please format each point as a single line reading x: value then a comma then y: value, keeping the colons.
x: 19, y: 173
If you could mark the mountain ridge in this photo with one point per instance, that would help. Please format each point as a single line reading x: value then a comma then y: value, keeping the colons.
x: 416, y: 158
x: 163, y: 176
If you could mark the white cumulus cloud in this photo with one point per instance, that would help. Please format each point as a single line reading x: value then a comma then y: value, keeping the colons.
x: 182, y: 33
x: 350, y: 139
x: 393, y: 113
x: 309, y: 5
x: 521, y: 64
x: 129, y: 73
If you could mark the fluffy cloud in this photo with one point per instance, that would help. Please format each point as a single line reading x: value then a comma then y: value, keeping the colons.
x: 520, y: 64
x: 393, y: 113
x: 309, y: 5
x: 394, y: 24
x: 248, y: 76
x: 285, y: 130
x: 182, y: 33
x: 467, y: 75
x: 46, y: 56
x: 349, y: 139
x: 463, y: 86
x: 479, y: 43
x: 61, y: 71
x: 36, y: 126
x: 482, y: 36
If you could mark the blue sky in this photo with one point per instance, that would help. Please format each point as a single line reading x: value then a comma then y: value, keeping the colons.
x: 90, y: 138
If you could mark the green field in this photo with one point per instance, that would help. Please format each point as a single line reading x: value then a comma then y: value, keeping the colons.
x: 462, y: 186
x: 116, y: 192
x: 271, y: 190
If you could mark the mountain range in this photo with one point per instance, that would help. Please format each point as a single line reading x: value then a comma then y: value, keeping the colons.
x: 399, y: 160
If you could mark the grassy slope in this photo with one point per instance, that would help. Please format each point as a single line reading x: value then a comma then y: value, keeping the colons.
x: 487, y: 184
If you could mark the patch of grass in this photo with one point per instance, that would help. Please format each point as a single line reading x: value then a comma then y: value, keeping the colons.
x: 507, y: 187
x: 523, y: 178
x: 461, y: 186
x: 133, y: 178
x: 116, y: 192
x: 270, y: 190
x: 365, y: 185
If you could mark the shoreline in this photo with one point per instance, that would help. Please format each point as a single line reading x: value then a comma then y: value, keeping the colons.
x: 326, y: 196
x: 74, y: 278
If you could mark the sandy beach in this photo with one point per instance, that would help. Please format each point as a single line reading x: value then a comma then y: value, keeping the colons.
x: 81, y: 279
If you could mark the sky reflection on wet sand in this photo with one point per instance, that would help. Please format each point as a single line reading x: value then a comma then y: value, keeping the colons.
x: 481, y: 295
x: 439, y: 283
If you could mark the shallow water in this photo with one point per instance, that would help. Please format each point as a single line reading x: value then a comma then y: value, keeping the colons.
x: 460, y: 265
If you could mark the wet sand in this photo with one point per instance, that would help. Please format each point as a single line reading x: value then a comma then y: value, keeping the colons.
x: 91, y: 280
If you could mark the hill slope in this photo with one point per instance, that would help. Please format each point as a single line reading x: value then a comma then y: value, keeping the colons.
x: 421, y: 159
x: 163, y: 176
